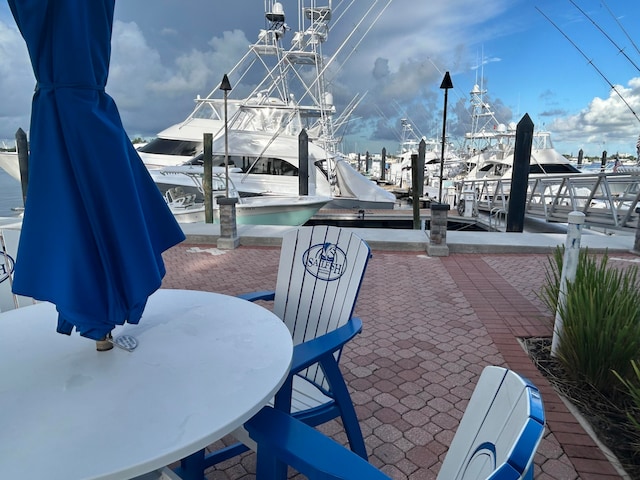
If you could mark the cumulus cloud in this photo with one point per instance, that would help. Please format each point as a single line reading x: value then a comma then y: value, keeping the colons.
x: 604, y: 121
x: 380, y: 68
x: 150, y: 94
x: 16, y: 82
x: 402, y: 60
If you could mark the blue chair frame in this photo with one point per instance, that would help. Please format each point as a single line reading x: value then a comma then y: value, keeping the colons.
x: 481, y: 448
x: 317, y: 305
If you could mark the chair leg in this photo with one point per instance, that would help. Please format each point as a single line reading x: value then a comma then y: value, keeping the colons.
x: 192, y: 467
x: 345, y: 405
x: 269, y: 466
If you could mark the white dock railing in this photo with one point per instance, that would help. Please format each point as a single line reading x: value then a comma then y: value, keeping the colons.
x: 608, y: 200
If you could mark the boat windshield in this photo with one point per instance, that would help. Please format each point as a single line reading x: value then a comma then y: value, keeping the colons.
x: 268, y: 119
x: 213, y: 109
x: 258, y: 166
x: 551, y: 168
x: 261, y: 114
x: 164, y: 146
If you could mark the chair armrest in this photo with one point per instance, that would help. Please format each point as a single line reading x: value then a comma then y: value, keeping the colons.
x: 310, y: 352
x: 283, y: 439
x: 261, y: 295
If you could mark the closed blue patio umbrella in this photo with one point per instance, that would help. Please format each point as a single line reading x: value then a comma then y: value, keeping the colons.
x: 95, y: 225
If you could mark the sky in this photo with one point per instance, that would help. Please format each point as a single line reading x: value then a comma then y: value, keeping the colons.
x: 575, y: 74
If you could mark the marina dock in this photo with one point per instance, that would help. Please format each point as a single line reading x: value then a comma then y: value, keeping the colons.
x: 461, y: 241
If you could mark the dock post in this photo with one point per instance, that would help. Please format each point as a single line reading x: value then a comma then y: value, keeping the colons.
x: 422, y: 152
x: 603, y: 161
x: 580, y: 158
x: 367, y: 161
x: 636, y: 244
x: 417, y: 182
x: 520, y: 175
x: 228, y: 239
x: 207, y: 177
x: 437, y: 246
x: 569, y: 268
x: 303, y: 163
x: 383, y: 165
x: 22, y: 147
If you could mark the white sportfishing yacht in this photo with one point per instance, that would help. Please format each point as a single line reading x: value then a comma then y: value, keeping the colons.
x: 187, y: 203
x: 490, y: 146
x: 263, y: 129
x: 490, y: 154
x: 409, y: 149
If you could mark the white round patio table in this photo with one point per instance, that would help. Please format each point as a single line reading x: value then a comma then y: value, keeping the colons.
x: 205, y: 363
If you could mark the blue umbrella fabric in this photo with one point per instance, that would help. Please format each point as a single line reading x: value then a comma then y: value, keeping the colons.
x: 95, y: 224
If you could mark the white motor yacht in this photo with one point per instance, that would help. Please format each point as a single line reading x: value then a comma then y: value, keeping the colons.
x: 263, y: 129
x: 490, y: 146
x: 184, y: 192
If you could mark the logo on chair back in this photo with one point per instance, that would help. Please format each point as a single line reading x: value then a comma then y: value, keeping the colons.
x: 325, y: 261
x: 6, y: 266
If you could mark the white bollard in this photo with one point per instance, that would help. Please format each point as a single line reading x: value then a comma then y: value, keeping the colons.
x: 469, y: 198
x: 569, y: 267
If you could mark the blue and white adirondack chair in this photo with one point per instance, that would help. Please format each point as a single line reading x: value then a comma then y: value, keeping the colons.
x: 319, y: 276
x: 496, y: 439
x: 8, y: 249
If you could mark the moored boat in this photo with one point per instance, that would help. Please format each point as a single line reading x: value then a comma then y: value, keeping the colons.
x: 263, y: 128
x: 178, y: 185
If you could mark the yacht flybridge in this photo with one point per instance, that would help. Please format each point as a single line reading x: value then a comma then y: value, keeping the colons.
x: 290, y: 95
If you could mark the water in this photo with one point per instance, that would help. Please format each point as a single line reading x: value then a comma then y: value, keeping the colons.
x: 10, y: 195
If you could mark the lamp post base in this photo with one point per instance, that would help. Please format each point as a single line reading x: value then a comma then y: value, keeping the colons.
x: 228, y: 239
x: 437, y: 246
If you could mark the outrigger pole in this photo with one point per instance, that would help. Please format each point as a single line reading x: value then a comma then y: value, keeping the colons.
x: 621, y: 50
x: 620, y: 25
x: 592, y: 64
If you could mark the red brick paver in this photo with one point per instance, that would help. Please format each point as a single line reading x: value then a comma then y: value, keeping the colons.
x: 430, y: 326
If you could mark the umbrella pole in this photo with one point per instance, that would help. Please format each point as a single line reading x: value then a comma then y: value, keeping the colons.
x: 105, y: 344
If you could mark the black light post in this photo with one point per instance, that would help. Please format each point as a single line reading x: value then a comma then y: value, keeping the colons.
x: 446, y: 85
x: 228, y: 225
x: 226, y: 87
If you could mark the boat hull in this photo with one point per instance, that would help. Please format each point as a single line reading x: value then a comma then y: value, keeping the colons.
x: 9, y: 163
x: 285, y: 211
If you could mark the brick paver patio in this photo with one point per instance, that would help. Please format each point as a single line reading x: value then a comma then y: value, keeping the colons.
x: 430, y: 326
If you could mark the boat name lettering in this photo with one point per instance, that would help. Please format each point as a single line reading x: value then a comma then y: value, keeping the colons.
x: 325, y: 261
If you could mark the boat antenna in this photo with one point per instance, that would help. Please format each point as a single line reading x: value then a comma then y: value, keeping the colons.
x: 620, y: 50
x: 620, y: 25
x: 592, y: 64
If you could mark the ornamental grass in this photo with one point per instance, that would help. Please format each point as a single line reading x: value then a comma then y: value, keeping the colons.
x: 601, y: 321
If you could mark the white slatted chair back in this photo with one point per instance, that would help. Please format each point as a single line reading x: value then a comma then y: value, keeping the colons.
x: 8, y: 249
x: 319, y: 276
x: 504, y: 418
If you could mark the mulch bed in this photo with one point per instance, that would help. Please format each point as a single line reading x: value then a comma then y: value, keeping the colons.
x: 607, y: 419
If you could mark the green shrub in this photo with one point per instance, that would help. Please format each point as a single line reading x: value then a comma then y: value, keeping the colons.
x: 632, y: 388
x: 601, y: 320
x: 551, y: 288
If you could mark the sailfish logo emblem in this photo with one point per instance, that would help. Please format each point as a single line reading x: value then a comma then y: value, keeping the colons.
x: 6, y: 266
x: 325, y: 261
